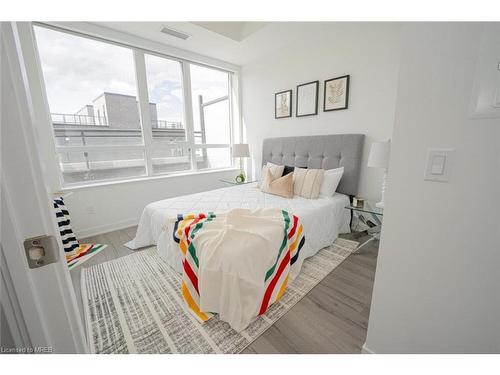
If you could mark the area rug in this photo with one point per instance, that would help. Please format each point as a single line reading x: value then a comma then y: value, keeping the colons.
x: 134, y: 305
x: 84, y: 252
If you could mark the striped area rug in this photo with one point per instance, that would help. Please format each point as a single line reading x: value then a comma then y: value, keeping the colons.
x: 84, y: 252
x: 134, y: 305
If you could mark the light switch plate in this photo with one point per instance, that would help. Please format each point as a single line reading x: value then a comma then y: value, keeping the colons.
x: 438, y: 164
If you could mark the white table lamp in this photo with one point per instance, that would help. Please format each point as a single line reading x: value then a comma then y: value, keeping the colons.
x: 241, y: 151
x: 379, y: 158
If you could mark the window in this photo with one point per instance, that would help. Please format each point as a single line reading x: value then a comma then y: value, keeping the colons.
x: 81, y: 76
x: 97, y: 121
x: 211, y: 117
x: 165, y: 91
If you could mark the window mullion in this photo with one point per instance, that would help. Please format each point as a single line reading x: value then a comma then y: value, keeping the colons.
x: 143, y: 99
x: 231, y: 114
x: 188, y: 113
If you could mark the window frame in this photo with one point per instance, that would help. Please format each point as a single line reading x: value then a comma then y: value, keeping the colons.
x: 147, y: 146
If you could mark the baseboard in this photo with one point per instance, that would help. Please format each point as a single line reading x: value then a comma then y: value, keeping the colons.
x: 366, y: 350
x: 94, y: 231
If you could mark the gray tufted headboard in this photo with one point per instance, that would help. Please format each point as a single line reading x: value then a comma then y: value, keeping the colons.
x: 319, y: 151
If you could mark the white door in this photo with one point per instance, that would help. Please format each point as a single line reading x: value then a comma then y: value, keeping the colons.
x: 40, y: 303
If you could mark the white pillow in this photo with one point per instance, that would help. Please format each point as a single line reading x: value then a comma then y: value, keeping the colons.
x: 331, y: 180
x: 275, y: 169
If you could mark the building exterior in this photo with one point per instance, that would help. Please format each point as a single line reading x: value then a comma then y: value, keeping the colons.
x: 113, y: 119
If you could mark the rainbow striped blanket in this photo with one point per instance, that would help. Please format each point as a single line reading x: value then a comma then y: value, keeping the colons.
x: 237, y: 264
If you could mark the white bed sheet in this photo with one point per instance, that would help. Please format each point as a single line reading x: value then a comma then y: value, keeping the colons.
x: 323, y: 218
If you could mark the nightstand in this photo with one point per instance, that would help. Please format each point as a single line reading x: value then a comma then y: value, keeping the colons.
x: 375, y: 215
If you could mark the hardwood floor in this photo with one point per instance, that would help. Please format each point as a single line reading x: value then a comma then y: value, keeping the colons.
x: 332, y: 318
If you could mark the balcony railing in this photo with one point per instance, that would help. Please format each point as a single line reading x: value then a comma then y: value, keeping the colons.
x: 162, y: 124
x: 71, y: 119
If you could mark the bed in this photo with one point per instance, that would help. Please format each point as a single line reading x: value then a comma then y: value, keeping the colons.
x: 323, y: 218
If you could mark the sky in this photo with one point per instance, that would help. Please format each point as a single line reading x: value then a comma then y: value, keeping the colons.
x: 77, y: 70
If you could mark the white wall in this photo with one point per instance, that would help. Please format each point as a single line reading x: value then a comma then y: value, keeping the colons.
x: 437, y: 282
x: 368, y: 52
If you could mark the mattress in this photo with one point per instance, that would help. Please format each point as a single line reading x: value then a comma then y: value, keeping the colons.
x: 323, y: 218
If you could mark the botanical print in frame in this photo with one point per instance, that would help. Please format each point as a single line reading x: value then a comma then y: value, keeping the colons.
x: 336, y: 94
x: 307, y: 99
x: 283, y: 104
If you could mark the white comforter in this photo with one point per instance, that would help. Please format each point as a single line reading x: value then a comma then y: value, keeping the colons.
x: 323, y: 218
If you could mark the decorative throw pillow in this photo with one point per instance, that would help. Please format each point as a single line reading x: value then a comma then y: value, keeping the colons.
x: 276, y: 171
x: 307, y: 182
x: 288, y: 169
x: 331, y: 180
x: 282, y: 186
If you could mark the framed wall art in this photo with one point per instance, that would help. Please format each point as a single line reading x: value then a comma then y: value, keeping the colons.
x: 307, y: 99
x: 336, y: 94
x: 283, y: 104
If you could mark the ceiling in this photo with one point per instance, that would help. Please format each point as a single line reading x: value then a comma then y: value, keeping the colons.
x: 234, y: 30
x: 234, y: 42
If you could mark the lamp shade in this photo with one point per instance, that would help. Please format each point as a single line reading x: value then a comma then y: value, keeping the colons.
x: 379, y: 155
x: 241, y: 150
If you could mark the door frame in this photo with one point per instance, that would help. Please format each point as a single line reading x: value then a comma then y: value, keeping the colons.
x: 41, y: 302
